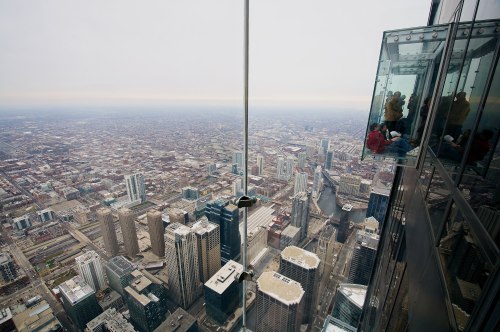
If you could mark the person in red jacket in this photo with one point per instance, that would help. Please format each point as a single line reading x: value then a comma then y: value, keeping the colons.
x: 377, y: 143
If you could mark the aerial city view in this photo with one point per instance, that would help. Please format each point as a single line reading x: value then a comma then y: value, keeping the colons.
x: 249, y: 166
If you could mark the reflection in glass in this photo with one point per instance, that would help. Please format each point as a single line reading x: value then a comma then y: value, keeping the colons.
x: 437, y: 200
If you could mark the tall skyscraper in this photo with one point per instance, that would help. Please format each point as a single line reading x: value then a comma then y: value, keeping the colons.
x: 329, y: 160
x: 348, y: 305
x: 127, y: 223
x: 118, y: 270
x: 190, y: 193
x: 90, y: 269
x: 260, y: 164
x: 290, y: 161
x: 326, y: 248
x: 238, y: 159
x: 325, y: 145
x: 136, y: 191
x: 343, y: 229
x: 222, y: 292
x: 227, y: 216
x: 79, y: 301
x: 302, y: 266
x: 318, y: 176
x: 7, y: 268
x: 300, y: 183
x: 377, y: 205
x: 281, y: 170
x: 208, y: 245
x: 181, y: 255
x: 108, y: 231
x: 300, y: 212
x: 302, y: 160
x: 280, y: 303
x: 146, y: 300
x: 238, y: 187
x: 156, y: 233
x: 349, y: 185
x: 363, y: 257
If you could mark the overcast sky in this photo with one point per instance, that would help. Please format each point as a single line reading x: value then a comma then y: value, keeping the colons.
x: 94, y: 52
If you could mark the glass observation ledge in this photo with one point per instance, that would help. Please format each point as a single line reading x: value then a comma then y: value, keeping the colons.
x: 408, y: 80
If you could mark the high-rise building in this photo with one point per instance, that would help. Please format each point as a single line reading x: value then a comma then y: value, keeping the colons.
x: 280, y: 303
x: 260, y: 164
x: 7, y: 268
x: 349, y: 184
x: 302, y: 266
x: 108, y: 231
x: 208, y: 245
x: 222, y: 292
x: 317, y: 181
x: 238, y: 159
x: 79, y: 301
x: 290, y: 160
x: 282, y: 170
x: 127, y: 223
x: 136, y: 191
x: 146, y: 301
x: 178, y: 215
x: 190, y: 193
x: 363, y: 257
x: 348, y: 306
x: 227, y: 216
x: 300, y: 183
x: 156, y: 233
x: 118, y: 270
x: 90, y: 269
x: 211, y: 169
x: 110, y: 320
x: 437, y: 264
x: 325, y: 146
x: 181, y: 255
x: 326, y: 249
x: 302, y: 160
x: 329, y: 160
x: 237, y: 187
x: 300, y: 212
x: 234, y: 169
x: 343, y: 229
x: 377, y: 205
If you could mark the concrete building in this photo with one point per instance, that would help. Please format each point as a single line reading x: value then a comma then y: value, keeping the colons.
x: 190, y: 193
x: 343, y: 229
x: 363, y: 257
x: 260, y: 164
x: 90, y: 269
x: 300, y: 183
x: 300, y: 212
x: 136, y: 191
x: 290, y: 236
x: 6, y: 321
x: 329, y: 160
x: 318, y: 177
x: 377, y: 205
x: 326, y: 249
x: 256, y: 243
x: 223, y: 292
x: 127, y: 223
x: 349, y: 301
x: 349, y: 184
x: 325, y: 145
x: 238, y: 159
x: 110, y: 320
x: 39, y: 317
x: 79, y: 301
x: 8, y: 269
x: 302, y: 266
x: 181, y: 255
x: 118, y: 270
x: 46, y: 215
x: 22, y: 222
x: 178, y: 215
x: 208, y: 245
x: 108, y: 231
x: 156, y: 233
x: 280, y: 303
x: 179, y: 321
x: 302, y: 160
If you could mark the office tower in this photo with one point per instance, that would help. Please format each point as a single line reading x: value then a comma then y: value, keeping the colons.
x: 21, y: 222
x: 290, y: 160
x: 280, y: 303
x: 437, y: 265
x: 222, y: 292
x: 282, y: 172
x: 127, y: 223
x: 343, y: 229
x: 179, y: 321
x: 300, y: 212
x: 156, y: 233
x: 349, y: 184
x: 329, y: 160
x: 326, y: 248
x: 300, y: 183
x: 363, y: 257
x: 260, y: 164
x: 256, y: 242
x: 302, y: 160
x: 348, y: 306
x: 79, y: 301
x: 302, y: 266
x: 254, y: 170
x: 208, y: 245
x: 109, y: 320
x: 317, y: 181
x: 90, y: 269
x: 377, y: 205
x: 7, y: 268
x: 325, y: 146
x: 178, y: 215
x: 227, y: 216
x: 211, y: 169
x: 238, y: 159
x: 234, y: 169
x: 237, y: 187
x: 108, y: 231
x: 146, y: 301
x: 45, y: 215
x: 190, y: 193
x: 136, y: 191
x: 181, y: 255
x: 118, y: 270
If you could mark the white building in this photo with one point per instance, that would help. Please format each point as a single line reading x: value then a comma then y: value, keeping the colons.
x: 136, y: 190
x: 90, y: 269
x: 300, y: 183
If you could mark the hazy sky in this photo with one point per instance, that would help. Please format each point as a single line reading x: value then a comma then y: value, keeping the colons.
x: 94, y: 52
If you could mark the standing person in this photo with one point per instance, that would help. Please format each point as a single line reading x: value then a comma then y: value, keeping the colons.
x: 424, y: 112
x: 412, y: 110
x: 393, y: 111
x: 458, y: 113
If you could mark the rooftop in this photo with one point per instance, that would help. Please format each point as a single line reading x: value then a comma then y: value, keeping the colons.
x: 301, y: 257
x: 86, y: 257
x: 120, y: 265
x: 355, y: 293
x: 75, y: 289
x: 221, y: 280
x: 37, y: 318
x: 347, y: 207
x: 261, y: 217
x: 177, y: 228
x: 203, y: 226
x: 139, y: 281
x: 281, y: 288
x: 178, y: 321
x: 5, y: 258
x: 113, y: 320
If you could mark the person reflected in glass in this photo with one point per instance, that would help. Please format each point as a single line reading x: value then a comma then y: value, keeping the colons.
x: 460, y: 108
x: 424, y: 112
x: 378, y: 144
x: 478, y: 150
x: 393, y: 111
x: 412, y: 110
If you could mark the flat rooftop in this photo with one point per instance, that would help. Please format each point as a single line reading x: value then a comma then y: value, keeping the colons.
x: 203, y: 226
x: 120, y: 265
x: 281, y: 288
x: 178, y: 321
x: 301, y: 257
x: 261, y: 217
x: 355, y: 293
x: 221, y: 280
x: 177, y: 228
x: 76, y: 289
x: 86, y: 257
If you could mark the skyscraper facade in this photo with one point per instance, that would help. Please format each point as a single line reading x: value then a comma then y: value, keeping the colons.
x: 325, y: 146
x: 181, y: 255
x: 317, y: 181
x: 238, y: 159
x: 227, y: 216
x: 377, y: 205
x: 280, y: 303
x: 108, y: 231
x: 90, y: 269
x: 118, y: 270
x: 300, y: 183
x: 7, y: 268
x: 302, y: 266
x: 156, y: 233
x: 348, y: 306
x: 282, y: 170
x: 300, y: 212
x: 260, y: 164
x: 136, y: 191
x: 343, y: 229
x: 301, y: 157
x: 208, y: 246
x: 127, y: 223
x: 329, y: 160
x: 326, y: 248
x: 363, y: 257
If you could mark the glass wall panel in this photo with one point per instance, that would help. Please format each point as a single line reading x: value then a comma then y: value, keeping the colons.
x: 426, y: 175
x: 437, y: 200
x: 465, y: 270
x: 488, y: 9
